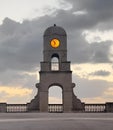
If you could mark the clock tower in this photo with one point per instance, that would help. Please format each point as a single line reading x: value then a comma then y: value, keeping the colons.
x: 52, y: 73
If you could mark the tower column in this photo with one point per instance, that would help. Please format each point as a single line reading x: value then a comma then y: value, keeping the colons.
x: 67, y: 104
x: 43, y: 101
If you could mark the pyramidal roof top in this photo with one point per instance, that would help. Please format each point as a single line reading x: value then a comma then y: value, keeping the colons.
x: 55, y: 30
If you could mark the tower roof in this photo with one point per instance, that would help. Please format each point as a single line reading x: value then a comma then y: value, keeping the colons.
x: 55, y: 30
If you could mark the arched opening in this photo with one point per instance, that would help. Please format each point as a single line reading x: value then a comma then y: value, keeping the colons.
x: 55, y: 99
x: 55, y: 62
x: 55, y: 95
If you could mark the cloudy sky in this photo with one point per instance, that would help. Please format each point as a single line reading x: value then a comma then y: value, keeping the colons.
x: 89, y: 27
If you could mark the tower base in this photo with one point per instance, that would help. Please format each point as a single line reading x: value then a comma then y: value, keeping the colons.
x: 77, y: 105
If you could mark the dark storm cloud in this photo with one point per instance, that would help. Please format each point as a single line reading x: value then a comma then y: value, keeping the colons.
x: 99, y: 12
x: 19, y: 45
x: 82, y: 52
x: 100, y: 73
x: 17, y: 78
x: 99, y: 9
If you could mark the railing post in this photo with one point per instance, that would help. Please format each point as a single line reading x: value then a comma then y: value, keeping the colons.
x: 109, y: 107
x: 3, y: 107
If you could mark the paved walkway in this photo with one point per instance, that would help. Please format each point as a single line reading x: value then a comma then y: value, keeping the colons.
x: 54, y: 121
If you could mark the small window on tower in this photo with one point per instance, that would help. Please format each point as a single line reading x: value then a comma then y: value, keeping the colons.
x: 54, y: 64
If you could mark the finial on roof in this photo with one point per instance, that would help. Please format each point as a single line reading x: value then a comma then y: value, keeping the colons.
x: 54, y: 25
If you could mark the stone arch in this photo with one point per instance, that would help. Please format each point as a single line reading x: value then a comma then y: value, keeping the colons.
x: 55, y: 55
x: 56, y: 84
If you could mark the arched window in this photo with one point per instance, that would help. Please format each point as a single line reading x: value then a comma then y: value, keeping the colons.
x: 55, y: 62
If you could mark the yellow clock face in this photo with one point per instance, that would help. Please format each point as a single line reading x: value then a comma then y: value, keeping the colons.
x: 55, y: 43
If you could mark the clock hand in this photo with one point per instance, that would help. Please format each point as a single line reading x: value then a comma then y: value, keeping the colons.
x: 54, y: 42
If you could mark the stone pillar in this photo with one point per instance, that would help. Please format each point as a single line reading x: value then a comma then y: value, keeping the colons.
x: 67, y: 101
x: 109, y: 107
x: 3, y: 107
x: 43, y: 101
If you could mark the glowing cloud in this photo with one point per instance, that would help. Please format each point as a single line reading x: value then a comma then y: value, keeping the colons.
x: 8, y: 94
x: 98, y: 36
